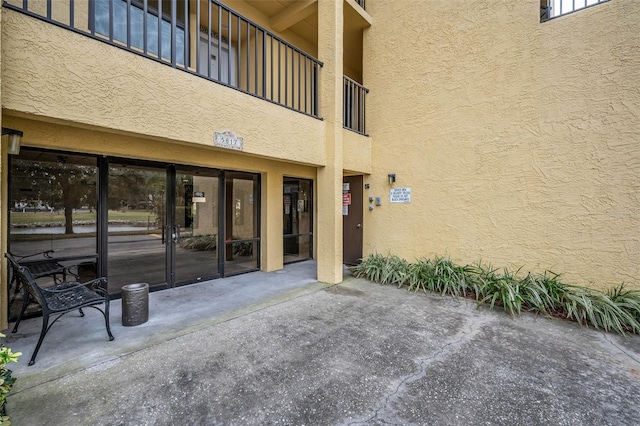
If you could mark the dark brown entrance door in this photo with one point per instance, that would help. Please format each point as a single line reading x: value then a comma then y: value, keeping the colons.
x: 352, y: 220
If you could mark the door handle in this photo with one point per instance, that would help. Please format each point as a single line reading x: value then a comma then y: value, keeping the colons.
x: 359, y: 226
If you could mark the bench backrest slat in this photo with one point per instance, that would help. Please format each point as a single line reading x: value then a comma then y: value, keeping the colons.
x: 23, y: 275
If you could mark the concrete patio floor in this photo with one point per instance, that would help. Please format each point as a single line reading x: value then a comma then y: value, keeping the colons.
x: 280, y: 348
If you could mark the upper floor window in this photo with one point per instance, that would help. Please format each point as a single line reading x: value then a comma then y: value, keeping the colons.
x: 113, y: 14
x: 554, y: 8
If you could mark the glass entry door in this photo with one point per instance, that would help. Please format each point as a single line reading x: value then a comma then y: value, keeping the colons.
x: 195, y: 230
x: 242, y: 223
x: 297, y: 204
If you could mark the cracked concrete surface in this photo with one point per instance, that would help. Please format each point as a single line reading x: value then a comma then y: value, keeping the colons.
x: 384, y: 412
x: 354, y: 354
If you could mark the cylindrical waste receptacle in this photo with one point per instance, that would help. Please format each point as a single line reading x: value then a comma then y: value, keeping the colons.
x: 135, y: 304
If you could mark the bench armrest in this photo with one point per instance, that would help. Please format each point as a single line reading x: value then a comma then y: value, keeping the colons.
x: 98, y: 285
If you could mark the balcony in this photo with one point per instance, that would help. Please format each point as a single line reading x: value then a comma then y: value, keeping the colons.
x: 353, y: 109
x: 204, y: 38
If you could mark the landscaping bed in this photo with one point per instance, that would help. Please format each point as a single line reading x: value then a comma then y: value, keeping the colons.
x: 617, y: 310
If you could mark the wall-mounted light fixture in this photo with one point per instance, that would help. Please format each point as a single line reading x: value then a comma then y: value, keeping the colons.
x: 392, y: 178
x: 15, y: 136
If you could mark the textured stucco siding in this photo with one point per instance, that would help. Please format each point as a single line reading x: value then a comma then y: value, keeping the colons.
x: 53, y: 73
x: 356, y: 152
x: 519, y: 139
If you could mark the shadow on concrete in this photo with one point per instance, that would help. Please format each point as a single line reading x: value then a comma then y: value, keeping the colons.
x: 74, y: 343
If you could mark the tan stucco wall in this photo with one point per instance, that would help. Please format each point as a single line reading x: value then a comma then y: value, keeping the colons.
x: 519, y: 139
x: 54, y: 73
x: 356, y: 152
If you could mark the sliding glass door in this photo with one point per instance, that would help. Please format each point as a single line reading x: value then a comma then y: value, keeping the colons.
x: 195, y: 225
x: 137, y: 232
x: 132, y: 221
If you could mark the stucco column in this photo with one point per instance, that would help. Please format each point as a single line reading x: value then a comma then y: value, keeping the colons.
x: 271, y: 217
x: 330, y: 33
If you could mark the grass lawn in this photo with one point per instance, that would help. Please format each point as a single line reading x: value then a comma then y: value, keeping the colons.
x: 58, y: 217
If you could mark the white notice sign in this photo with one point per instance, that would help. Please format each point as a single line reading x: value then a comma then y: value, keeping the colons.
x: 400, y: 195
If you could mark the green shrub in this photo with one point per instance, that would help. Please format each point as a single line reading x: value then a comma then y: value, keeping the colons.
x: 244, y: 248
x: 629, y: 300
x: 6, y: 381
x: 542, y: 293
x: 370, y: 268
x: 618, y: 310
x: 200, y: 242
x: 591, y: 307
x: 502, y: 289
x: 443, y: 276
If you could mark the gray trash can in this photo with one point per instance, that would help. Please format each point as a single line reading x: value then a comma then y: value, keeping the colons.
x: 135, y: 304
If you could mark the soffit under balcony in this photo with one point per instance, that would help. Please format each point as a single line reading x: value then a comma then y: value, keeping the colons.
x: 299, y: 17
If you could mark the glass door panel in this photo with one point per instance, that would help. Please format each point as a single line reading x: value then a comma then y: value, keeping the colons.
x: 136, y: 222
x: 196, y: 226
x: 298, y: 219
x: 52, y: 214
x: 242, y: 244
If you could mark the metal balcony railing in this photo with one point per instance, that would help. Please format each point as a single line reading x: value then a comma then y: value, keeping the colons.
x: 550, y: 9
x: 212, y: 41
x: 353, y: 109
x: 362, y: 3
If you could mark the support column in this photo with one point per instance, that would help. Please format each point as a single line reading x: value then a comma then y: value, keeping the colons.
x: 271, y: 217
x: 330, y: 52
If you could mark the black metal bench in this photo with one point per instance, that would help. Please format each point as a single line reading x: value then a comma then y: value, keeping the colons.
x: 46, y: 266
x: 59, y: 299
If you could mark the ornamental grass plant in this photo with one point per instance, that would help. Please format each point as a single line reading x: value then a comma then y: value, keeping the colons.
x: 617, y: 310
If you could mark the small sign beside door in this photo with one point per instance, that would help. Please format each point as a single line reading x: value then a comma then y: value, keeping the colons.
x: 346, y: 199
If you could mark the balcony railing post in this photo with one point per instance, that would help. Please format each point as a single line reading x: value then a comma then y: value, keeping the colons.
x: 174, y: 15
x: 111, y: 21
x: 129, y: 23
x: 220, y: 44
x: 145, y: 35
x: 71, y: 13
x: 229, y: 26
x: 264, y: 64
x: 160, y: 30
x: 353, y: 111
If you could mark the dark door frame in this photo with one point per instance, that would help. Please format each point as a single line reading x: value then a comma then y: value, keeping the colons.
x: 352, y: 229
